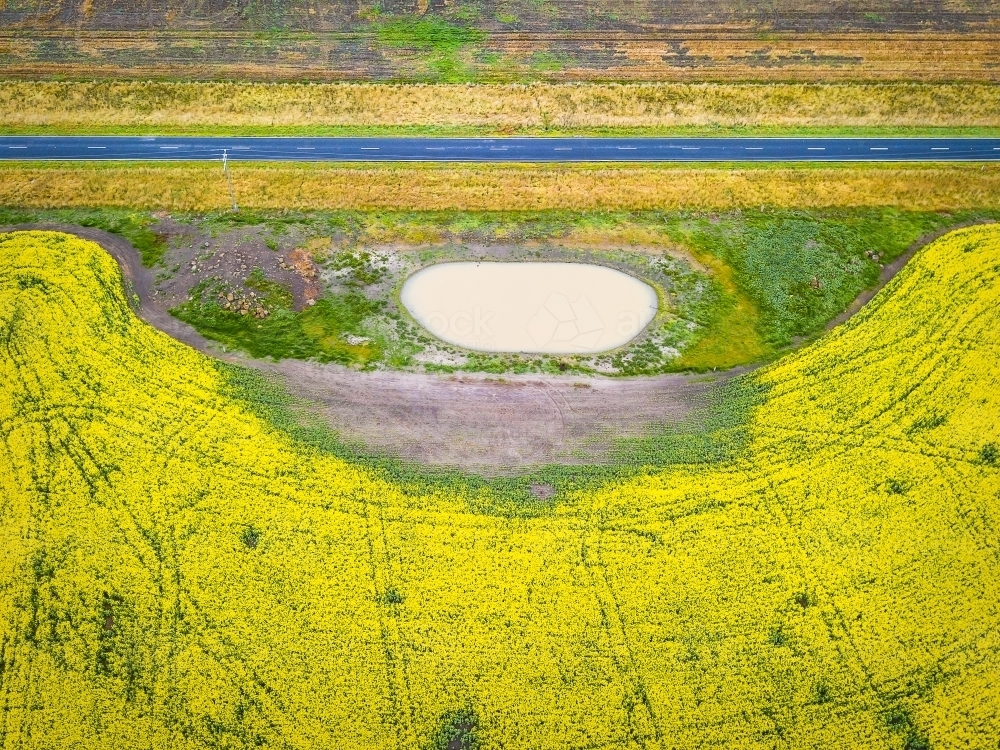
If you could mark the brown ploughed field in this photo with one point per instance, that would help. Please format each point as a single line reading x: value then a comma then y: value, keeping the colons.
x: 503, y: 41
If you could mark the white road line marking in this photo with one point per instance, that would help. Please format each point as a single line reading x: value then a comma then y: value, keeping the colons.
x: 815, y: 148
x: 502, y: 148
x: 96, y: 146
x: 563, y: 149
x: 754, y: 148
x: 879, y: 148
x: 238, y: 148
x: 938, y: 149
x: 690, y: 148
x: 626, y: 148
x: 169, y: 146
x: 26, y: 147
x: 369, y: 148
x: 306, y: 148
x: 435, y: 148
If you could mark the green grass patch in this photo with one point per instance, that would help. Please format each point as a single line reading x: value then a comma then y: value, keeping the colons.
x: 132, y: 225
x: 731, y: 325
x: 328, y: 331
x: 274, y: 295
x: 788, y: 273
x: 439, y: 43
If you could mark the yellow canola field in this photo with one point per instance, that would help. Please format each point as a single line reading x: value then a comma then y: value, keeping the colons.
x: 175, y: 573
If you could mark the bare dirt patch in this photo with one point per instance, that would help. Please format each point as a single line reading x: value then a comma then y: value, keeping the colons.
x: 489, y: 424
x: 230, y: 256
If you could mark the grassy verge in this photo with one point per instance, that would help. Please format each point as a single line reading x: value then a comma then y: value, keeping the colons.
x: 200, y: 187
x: 490, y: 131
x: 497, y: 109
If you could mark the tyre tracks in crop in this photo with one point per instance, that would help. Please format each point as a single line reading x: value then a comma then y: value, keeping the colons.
x: 622, y: 654
x: 397, y: 675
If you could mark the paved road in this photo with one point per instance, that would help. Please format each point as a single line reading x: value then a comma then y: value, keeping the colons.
x: 95, y: 148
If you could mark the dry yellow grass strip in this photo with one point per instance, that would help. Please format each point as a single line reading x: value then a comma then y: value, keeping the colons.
x: 199, y: 187
x: 178, y: 106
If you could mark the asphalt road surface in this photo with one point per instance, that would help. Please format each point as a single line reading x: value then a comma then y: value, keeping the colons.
x: 100, y: 148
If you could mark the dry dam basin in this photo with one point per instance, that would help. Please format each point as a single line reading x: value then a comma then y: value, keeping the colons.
x: 540, y: 308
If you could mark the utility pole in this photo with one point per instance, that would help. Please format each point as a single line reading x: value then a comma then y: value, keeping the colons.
x: 229, y: 179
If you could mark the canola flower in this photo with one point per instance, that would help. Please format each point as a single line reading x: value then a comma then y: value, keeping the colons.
x: 175, y: 573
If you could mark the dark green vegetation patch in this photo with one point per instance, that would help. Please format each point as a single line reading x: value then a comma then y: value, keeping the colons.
x: 317, y: 332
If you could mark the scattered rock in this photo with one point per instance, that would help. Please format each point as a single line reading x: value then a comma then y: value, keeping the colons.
x: 542, y: 491
x: 303, y: 264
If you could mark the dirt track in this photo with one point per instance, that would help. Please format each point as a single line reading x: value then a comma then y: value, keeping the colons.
x: 488, y: 425
x: 471, y: 421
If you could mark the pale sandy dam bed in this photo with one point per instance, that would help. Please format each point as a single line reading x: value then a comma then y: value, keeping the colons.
x: 539, y: 308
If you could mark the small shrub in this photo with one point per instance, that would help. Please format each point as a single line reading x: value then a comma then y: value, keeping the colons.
x: 917, y: 741
x: 822, y: 693
x: 392, y: 596
x: 360, y: 267
x: 928, y: 422
x: 895, y: 487
x: 250, y: 537
x: 27, y: 281
x: 989, y: 454
x: 778, y: 637
x: 457, y: 731
x: 898, y: 720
